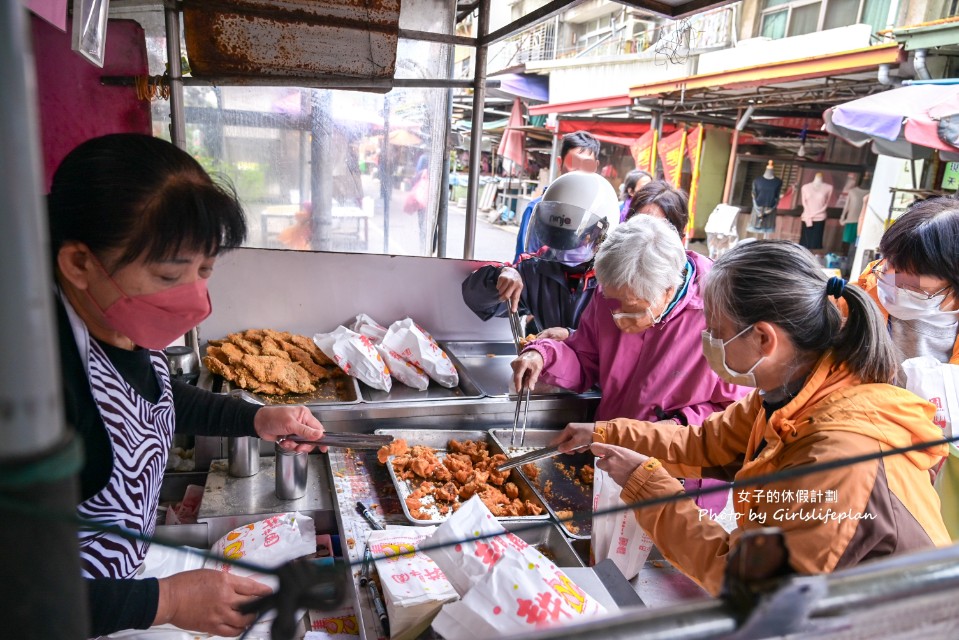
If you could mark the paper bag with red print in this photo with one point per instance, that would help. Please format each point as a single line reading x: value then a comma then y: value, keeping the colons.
x: 401, y: 369
x: 516, y: 598
x: 416, y: 345
x: 414, y: 588
x: 355, y: 355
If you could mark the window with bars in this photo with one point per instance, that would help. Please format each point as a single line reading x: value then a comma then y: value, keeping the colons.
x: 784, y: 18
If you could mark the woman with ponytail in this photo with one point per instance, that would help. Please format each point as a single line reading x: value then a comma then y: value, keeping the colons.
x: 822, y: 395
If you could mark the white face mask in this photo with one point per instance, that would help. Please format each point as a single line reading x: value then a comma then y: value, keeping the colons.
x: 908, y: 305
x: 715, y: 351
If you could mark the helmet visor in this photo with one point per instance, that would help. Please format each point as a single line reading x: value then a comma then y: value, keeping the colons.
x: 564, y: 230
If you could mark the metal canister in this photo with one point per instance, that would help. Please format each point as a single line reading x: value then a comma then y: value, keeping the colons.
x: 291, y: 473
x: 243, y: 455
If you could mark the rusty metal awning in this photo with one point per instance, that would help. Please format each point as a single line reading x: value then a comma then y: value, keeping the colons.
x: 293, y: 38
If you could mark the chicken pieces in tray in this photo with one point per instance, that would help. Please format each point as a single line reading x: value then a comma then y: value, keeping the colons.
x: 267, y: 361
x: 445, y: 482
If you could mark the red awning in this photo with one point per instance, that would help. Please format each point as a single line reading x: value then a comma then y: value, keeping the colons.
x: 616, y: 132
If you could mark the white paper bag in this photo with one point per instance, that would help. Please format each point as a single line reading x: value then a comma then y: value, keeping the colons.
x: 937, y: 382
x: 403, y: 370
x: 355, y: 355
x: 414, y: 588
x: 617, y: 536
x: 416, y: 345
x: 517, y: 597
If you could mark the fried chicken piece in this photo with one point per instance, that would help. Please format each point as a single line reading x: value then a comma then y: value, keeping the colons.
x: 278, y: 336
x: 531, y: 471
x: 302, y: 358
x: 215, y: 343
x: 254, y: 335
x: 283, y: 373
x: 232, y: 353
x: 470, y: 489
x: 270, y: 348
x: 511, y: 490
x: 218, y: 363
x: 481, y: 476
x: 463, y: 476
x: 243, y: 344
x: 310, y: 347
x: 441, y: 473
x: 586, y: 474
x: 400, y: 463
x: 396, y: 448
x: 422, y: 467
x: 532, y: 509
x: 447, y: 492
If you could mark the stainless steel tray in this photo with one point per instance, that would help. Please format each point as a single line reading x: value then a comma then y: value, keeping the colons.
x: 338, y: 390
x: 438, y: 440
x: 567, y: 492
x: 489, y: 365
x: 467, y: 388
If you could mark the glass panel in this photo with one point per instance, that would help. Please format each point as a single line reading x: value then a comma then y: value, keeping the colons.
x: 876, y: 14
x: 804, y: 19
x: 768, y: 4
x: 841, y: 13
x: 377, y: 159
x: 774, y: 25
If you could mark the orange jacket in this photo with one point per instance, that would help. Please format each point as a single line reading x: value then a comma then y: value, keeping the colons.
x: 868, y: 283
x: 831, y: 519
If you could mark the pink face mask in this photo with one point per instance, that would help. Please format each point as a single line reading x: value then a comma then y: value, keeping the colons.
x: 155, y: 320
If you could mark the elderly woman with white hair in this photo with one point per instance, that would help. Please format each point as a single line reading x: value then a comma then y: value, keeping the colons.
x: 639, y: 338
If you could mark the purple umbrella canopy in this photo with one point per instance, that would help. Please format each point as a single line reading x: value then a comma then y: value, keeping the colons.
x: 902, y: 122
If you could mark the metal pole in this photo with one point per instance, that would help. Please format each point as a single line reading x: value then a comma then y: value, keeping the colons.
x: 476, y: 139
x: 553, y: 156
x: 728, y: 187
x: 443, y: 211
x: 39, y: 564
x: 321, y: 171
x: 386, y: 174
x: 177, y: 126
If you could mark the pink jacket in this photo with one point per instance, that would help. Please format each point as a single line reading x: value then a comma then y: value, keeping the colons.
x: 657, y: 374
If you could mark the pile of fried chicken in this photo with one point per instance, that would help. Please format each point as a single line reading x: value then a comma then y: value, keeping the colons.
x: 466, y: 470
x: 267, y: 361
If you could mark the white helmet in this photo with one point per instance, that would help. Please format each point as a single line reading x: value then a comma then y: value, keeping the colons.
x: 571, y: 220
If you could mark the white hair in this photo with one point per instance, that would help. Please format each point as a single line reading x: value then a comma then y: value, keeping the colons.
x: 644, y: 254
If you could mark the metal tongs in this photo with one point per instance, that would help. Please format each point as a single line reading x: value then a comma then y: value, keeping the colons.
x: 533, y: 456
x: 345, y: 440
x: 521, y: 394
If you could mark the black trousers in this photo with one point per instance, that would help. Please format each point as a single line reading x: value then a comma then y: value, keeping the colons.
x: 811, y: 237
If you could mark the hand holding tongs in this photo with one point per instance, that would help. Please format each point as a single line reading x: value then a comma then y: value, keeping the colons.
x: 345, y: 440
x: 516, y: 326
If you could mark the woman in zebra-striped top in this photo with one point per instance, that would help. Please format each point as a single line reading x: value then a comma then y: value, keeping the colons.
x: 136, y: 225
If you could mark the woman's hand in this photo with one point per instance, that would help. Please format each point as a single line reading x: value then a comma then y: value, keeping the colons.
x: 554, y: 333
x: 273, y: 423
x: 618, y: 462
x: 576, y: 436
x: 526, y: 370
x: 509, y: 286
x: 207, y: 600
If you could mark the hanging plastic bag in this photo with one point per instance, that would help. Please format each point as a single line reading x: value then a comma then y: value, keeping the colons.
x: 416, y: 345
x: 401, y: 369
x: 617, y: 536
x: 356, y: 356
x: 938, y: 383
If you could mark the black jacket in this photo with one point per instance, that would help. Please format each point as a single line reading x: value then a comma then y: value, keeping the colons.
x: 552, y: 292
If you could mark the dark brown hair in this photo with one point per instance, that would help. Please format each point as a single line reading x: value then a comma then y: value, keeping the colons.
x: 673, y: 202
x: 925, y: 240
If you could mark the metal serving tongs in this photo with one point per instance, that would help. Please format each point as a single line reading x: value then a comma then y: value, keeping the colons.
x: 345, y: 440
x: 516, y: 326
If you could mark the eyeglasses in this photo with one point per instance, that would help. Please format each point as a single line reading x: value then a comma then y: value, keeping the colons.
x: 890, y: 281
x: 642, y: 320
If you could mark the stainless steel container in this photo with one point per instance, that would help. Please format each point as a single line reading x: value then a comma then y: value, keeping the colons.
x: 184, y: 363
x: 291, y: 473
x: 244, y: 456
